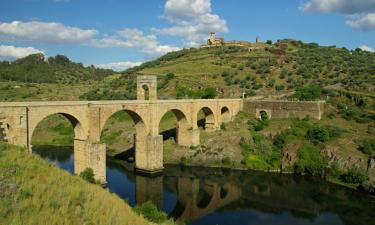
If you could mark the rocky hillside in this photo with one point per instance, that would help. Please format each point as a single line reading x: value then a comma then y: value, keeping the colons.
x: 272, y: 69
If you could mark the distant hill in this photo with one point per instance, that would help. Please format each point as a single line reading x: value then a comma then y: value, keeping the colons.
x: 59, y: 69
x: 277, y: 69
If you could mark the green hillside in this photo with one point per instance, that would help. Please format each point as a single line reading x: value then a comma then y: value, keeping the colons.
x: 34, y: 191
x: 59, y: 69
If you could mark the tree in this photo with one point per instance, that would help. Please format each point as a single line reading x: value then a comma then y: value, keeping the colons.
x: 209, y: 92
x: 308, y: 93
x: 317, y: 134
x: 169, y: 76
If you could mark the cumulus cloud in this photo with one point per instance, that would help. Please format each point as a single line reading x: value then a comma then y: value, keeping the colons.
x: 9, y: 51
x: 367, y: 48
x: 341, y: 6
x: 364, y: 22
x: 119, y: 66
x: 192, y: 20
x: 135, y: 38
x: 360, y: 13
x: 45, y: 32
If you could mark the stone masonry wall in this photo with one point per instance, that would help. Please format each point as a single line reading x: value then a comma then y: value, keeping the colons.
x: 285, y: 109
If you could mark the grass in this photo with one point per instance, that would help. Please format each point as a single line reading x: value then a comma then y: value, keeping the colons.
x: 19, y: 91
x: 35, y: 192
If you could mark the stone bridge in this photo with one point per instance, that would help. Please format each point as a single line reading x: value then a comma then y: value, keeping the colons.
x: 18, y: 121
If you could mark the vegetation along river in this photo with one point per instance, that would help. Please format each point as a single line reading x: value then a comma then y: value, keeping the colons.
x: 214, y: 196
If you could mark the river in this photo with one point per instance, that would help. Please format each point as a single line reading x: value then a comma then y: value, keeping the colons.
x: 198, y: 196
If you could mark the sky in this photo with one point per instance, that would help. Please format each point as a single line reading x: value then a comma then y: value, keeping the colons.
x: 118, y: 34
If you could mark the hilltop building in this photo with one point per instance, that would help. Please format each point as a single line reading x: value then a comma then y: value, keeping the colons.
x: 218, y: 42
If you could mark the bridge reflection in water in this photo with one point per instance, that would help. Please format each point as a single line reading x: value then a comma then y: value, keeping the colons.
x: 216, y: 196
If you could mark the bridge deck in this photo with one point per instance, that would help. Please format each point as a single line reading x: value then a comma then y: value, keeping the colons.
x: 108, y: 102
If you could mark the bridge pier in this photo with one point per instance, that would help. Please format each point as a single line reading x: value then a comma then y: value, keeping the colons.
x: 90, y: 155
x: 149, y: 154
x: 188, y: 137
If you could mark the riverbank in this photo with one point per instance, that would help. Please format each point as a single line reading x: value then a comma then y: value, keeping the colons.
x: 33, y: 191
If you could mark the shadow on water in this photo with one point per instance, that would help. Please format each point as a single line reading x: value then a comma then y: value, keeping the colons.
x: 127, y: 155
x: 215, y: 196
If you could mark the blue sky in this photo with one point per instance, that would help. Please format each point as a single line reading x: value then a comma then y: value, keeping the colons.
x: 121, y: 33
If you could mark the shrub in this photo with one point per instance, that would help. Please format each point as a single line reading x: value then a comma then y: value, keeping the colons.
x: 226, y: 161
x: 334, y: 170
x: 250, y: 93
x: 354, y: 175
x: 209, y: 92
x: 88, y: 175
x: 310, y: 161
x: 352, y: 113
x: 368, y: 147
x: 169, y: 76
x: 150, y: 212
x: 333, y: 131
x: 308, y: 93
x: 317, y: 134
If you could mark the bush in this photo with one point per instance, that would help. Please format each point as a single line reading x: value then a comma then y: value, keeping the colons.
x: 368, y: 147
x: 354, y: 176
x: 310, y: 161
x: 308, y: 93
x: 209, y: 92
x: 169, y: 76
x: 352, y: 113
x: 317, y: 134
x: 88, y: 175
x: 226, y: 161
x: 333, y: 131
x: 250, y: 93
x: 150, y: 212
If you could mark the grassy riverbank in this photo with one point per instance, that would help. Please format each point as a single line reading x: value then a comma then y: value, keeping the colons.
x: 32, y: 191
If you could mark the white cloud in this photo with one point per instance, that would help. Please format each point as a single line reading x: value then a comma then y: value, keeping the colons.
x: 366, y: 48
x: 119, y: 66
x: 135, y: 38
x: 45, y: 32
x: 9, y: 51
x: 364, y: 22
x: 340, y: 6
x: 192, y: 20
x: 360, y: 13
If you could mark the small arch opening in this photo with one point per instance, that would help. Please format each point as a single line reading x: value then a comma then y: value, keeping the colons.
x: 263, y: 115
x: 206, y: 119
x: 225, y: 114
x: 146, y: 92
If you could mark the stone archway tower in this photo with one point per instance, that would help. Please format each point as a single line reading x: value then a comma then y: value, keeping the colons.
x: 151, y: 83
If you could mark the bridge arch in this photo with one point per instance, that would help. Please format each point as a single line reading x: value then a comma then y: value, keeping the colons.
x: 80, y: 132
x: 131, y: 124
x: 209, y: 119
x: 225, y: 114
x: 182, y: 125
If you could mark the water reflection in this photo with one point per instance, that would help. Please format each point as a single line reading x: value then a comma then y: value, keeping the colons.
x: 212, y: 196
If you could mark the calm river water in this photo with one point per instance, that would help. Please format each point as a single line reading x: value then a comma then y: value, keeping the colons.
x: 216, y: 196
